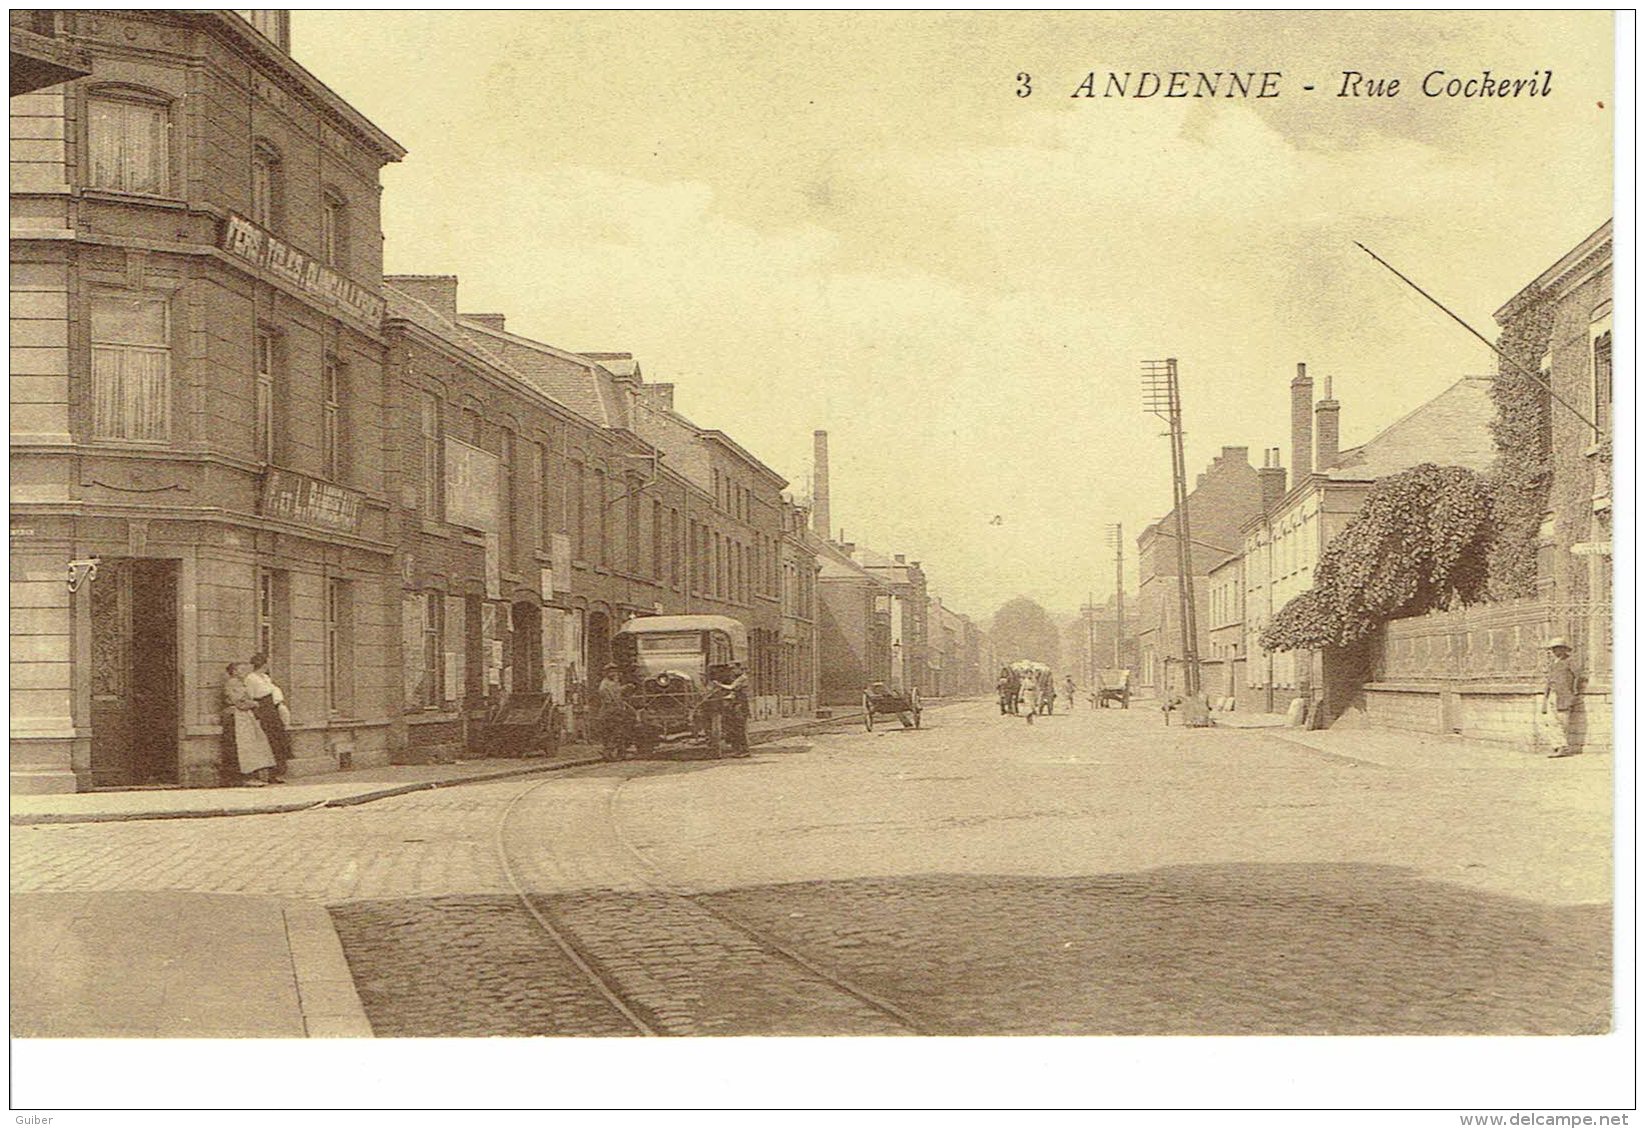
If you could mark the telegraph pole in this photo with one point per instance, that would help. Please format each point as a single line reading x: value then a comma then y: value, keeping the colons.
x: 1116, y: 538
x: 1163, y: 397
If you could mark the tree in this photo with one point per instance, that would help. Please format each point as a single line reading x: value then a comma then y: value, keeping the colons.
x: 1421, y: 542
x: 1024, y: 630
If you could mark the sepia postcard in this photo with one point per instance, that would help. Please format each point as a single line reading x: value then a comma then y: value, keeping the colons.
x: 533, y: 530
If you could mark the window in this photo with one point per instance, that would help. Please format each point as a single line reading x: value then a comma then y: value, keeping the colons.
x: 545, y: 512
x: 579, y: 475
x: 334, y: 231
x: 657, y: 572
x: 339, y: 645
x: 128, y: 142
x: 263, y: 348
x: 674, y: 547
x: 265, y: 186
x: 510, y: 522
x: 424, y: 630
x: 265, y: 612
x: 331, y: 439
x: 429, y: 424
x: 1602, y: 384
x: 131, y: 368
x: 601, y: 498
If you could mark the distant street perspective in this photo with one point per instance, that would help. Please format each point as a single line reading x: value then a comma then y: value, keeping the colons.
x: 1094, y: 873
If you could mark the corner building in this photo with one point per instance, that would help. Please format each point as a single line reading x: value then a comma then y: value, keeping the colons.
x: 196, y: 403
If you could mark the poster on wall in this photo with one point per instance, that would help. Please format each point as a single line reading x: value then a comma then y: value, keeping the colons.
x: 472, y: 498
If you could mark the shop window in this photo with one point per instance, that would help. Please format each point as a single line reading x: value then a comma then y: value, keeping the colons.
x: 131, y: 368
x: 128, y: 142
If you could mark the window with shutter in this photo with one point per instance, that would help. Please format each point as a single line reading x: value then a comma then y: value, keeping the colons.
x: 131, y: 368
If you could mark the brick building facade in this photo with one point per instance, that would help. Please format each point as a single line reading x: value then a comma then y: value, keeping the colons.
x: 196, y: 313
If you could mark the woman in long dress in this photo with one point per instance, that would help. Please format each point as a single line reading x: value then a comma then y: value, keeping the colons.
x: 269, y: 706
x: 252, y: 754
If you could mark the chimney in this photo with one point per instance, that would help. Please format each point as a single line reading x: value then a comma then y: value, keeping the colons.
x: 1326, y: 430
x: 490, y: 321
x: 819, y: 486
x: 1302, y: 424
x: 437, y: 291
x: 662, y: 396
x: 901, y: 559
x: 1272, y: 479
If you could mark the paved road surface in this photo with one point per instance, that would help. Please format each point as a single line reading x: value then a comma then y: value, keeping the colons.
x: 1093, y: 873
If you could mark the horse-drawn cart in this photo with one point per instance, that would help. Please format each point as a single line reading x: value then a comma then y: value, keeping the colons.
x: 1113, y: 686
x: 883, y: 700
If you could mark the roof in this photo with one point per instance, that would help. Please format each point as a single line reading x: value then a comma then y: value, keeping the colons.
x: 404, y: 307
x: 249, y: 38
x: 1555, y: 274
x: 567, y: 377
x: 1452, y: 429
x: 647, y: 623
x: 617, y: 364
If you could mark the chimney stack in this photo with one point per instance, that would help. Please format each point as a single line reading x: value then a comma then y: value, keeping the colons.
x: 819, y: 487
x: 1272, y: 480
x: 436, y: 291
x: 490, y: 321
x: 1302, y: 424
x: 1327, y: 423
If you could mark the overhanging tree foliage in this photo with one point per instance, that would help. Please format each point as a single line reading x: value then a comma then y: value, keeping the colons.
x: 1420, y: 542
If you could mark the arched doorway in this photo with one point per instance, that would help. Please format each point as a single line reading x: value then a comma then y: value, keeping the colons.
x: 597, y: 644
x: 526, y: 650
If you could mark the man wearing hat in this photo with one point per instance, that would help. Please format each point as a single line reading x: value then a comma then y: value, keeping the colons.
x: 1560, y: 696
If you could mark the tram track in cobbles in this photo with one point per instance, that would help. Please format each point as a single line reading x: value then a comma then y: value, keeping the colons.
x: 664, y: 957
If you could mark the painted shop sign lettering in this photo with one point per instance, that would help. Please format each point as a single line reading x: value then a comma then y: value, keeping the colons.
x: 246, y: 240
x: 308, y: 501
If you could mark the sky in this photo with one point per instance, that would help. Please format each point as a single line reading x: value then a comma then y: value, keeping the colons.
x: 851, y: 221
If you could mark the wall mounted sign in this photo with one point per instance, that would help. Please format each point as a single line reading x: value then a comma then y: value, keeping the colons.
x: 303, y: 500
x: 246, y: 240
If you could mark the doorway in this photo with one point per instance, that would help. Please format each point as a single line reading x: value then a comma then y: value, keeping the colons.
x: 598, y: 641
x: 526, y: 653
x: 134, y: 692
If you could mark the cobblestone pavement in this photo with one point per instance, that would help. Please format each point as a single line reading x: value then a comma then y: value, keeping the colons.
x: 1094, y: 873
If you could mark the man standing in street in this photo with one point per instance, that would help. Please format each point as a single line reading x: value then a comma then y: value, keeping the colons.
x: 1559, y: 699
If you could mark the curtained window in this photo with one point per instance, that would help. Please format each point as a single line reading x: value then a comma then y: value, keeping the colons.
x: 128, y: 145
x: 131, y: 368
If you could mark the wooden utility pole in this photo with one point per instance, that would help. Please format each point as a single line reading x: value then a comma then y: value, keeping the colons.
x: 1163, y: 397
x: 1116, y: 538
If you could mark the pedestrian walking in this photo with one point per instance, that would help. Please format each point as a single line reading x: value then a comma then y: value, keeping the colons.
x: 1559, y: 696
x: 249, y: 759
x: 1068, y: 691
x: 614, y: 713
x: 269, y: 706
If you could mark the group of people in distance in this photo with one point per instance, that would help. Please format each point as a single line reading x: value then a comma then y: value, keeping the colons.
x: 621, y: 728
x: 256, y: 724
x: 1032, y: 693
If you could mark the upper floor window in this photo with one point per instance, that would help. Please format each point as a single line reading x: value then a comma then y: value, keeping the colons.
x: 265, y: 186
x: 334, y: 230
x: 264, y: 355
x: 131, y: 368
x: 331, y: 436
x: 1602, y: 384
x: 129, y: 143
x: 428, y: 426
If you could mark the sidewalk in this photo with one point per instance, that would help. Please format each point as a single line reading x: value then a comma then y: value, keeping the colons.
x: 166, y: 964
x: 336, y: 789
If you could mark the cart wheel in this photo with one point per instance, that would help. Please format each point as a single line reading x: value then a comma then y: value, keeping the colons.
x: 867, y: 714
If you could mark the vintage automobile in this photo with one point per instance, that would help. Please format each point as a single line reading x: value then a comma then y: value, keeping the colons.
x: 666, y: 660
